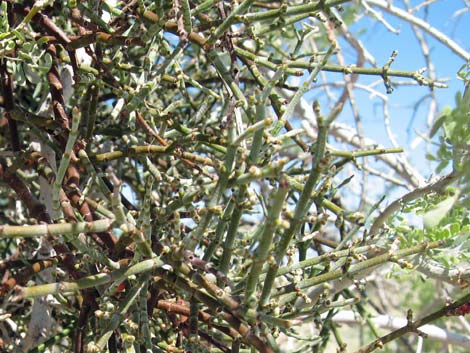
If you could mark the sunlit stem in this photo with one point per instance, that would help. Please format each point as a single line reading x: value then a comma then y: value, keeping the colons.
x: 271, y: 170
x: 205, y: 5
x: 252, y: 129
x: 196, y: 84
x: 38, y: 230
x: 38, y: 6
x: 117, y: 206
x: 131, y: 151
x: 67, y: 288
x: 228, y: 244
x: 288, y: 293
x: 99, y: 208
x: 310, y: 7
x: 364, y: 153
x: 260, y: 114
x: 319, y: 259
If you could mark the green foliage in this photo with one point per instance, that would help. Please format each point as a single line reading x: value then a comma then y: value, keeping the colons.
x: 454, y: 140
x: 447, y: 216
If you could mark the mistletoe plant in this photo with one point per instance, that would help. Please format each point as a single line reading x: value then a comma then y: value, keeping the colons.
x: 176, y: 177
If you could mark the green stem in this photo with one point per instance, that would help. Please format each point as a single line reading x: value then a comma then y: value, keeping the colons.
x: 270, y: 171
x: 278, y: 25
x: 264, y: 246
x: 353, y: 217
x: 204, y: 6
x: 145, y: 221
x: 196, y: 84
x: 91, y: 281
x: 300, y: 210
x: 219, y: 231
x: 294, y: 66
x: 231, y: 19
x: 91, y: 111
x: 364, y: 153
x: 288, y: 293
x: 258, y: 59
x: 236, y: 201
x: 228, y: 245
x: 96, y: 255
x: 85, y: 160
x: 38, y: 230
x: 319, y: 259
x: 64, y: 162
x: 192, y: 239
x: 117, y: 317
x: 99, y: 208
x: 258, y: 126
x: 130, y: 151
x: 188, y: 26
x: 227, y: 78
x: 258, y: 137
x: 145, y: 334
x: 283, y: 10
x: 300, y: 92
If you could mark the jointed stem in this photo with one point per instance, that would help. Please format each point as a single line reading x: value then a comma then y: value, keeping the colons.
x: 91, y: 281
x: 64, y: 163
x: 300, y: 209
x: 38, y: 230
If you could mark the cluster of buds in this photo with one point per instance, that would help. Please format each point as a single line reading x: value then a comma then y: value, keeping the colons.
x: 461, y: 310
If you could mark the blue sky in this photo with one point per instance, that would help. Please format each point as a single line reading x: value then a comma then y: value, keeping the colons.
x: 380, y: 42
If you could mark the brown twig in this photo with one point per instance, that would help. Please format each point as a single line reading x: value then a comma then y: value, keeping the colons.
x: 413, y: 326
